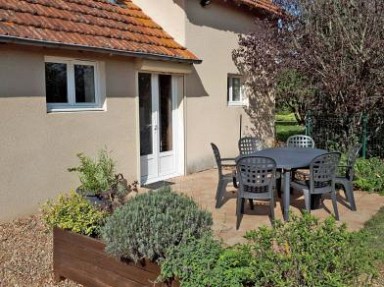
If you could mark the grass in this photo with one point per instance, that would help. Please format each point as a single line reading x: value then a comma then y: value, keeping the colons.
x: 372, y: 241
x: 374, y: 228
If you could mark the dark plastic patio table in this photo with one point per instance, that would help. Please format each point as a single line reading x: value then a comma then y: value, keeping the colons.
x: 287, y: 159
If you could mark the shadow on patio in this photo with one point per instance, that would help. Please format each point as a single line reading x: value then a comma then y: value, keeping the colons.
x: 202, y: 187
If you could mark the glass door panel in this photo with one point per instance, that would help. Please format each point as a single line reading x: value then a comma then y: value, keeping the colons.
x: 165, y: 107
x: 145, y: 114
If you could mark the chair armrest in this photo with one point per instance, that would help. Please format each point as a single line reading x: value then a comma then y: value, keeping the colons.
x: 228, y: 158
x: 228, y: 162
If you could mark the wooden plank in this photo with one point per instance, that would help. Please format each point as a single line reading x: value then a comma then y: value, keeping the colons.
x: 92, y: 275
x: 82, y: 259
x: 128, y: 271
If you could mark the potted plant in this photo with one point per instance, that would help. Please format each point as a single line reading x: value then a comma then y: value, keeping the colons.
x: 99, y: 182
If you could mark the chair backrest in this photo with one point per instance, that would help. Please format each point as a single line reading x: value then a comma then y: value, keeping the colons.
x: 255, y: 174
x: 323, y: 170
x: 353, y: 153
x: 249, y: 145
x: 300, y: 141
x: 216, y: 153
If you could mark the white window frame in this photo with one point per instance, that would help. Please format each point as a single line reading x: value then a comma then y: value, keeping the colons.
x: 71, y: 105
x: 230, y: 100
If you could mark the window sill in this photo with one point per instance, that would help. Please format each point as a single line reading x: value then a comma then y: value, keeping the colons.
x: 74, y: 110
x: 235, y: 104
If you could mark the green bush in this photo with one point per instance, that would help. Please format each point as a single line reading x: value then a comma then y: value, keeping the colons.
x: 73, y: 212
x: 305, y: 252
x: 369, y: 174
x: 302, y: 252
x: 147, y: 225
x: 96, y: 175
x: 204, y: 262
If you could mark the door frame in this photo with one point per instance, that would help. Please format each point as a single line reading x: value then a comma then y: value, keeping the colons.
x: 178, y: 89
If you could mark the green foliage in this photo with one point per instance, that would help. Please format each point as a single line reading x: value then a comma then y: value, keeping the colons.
x: 73, y: 212
x: 204, y: 262
x: 285, y: 117
x: 302, y: 252
x: 147, y: 225
x: 283, y: 131
x: 369, y: 174
x: 305, y: 252
x: 374, y: 231
x: 96, y: 175
x: 294, y: 93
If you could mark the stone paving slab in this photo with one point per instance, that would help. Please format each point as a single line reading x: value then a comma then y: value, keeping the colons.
x: 202, y: 187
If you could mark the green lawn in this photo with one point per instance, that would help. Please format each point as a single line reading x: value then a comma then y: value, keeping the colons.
x: 286, y: 126
x: 375, y: 231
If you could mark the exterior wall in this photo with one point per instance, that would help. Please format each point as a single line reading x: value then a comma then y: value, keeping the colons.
x: 212, y: 33
x: 37, y: 147
x: 169, y: 14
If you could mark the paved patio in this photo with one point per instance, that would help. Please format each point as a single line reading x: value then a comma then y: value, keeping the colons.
x: 202, y: 187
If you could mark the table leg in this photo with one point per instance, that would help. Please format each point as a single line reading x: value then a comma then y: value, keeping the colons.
x: 287, y: 196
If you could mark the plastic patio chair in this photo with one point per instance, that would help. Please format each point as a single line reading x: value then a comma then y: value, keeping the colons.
x: 256, y: 175
x: 224, y: 179
x: 346, y: 173
x: 300, y: 141
x: 322, y: 178
x: 249, y: 145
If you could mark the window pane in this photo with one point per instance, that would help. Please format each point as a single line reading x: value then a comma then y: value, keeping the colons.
x: 145, y: 113
x: 236, y: 90
x: 85, y: 84
x: 165, y: 102
x: 56, y: 82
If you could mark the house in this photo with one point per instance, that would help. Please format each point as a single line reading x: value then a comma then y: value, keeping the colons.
x: 79, y: 75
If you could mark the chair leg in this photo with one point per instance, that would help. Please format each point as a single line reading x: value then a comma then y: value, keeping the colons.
x: 219, y: 193
x: 272, y: 207
x: 307, y: 200
x: 239, y: 204
x: 349, y: 194
x: 334, y: 203
x: 251, y: 204
x: 278, y: 187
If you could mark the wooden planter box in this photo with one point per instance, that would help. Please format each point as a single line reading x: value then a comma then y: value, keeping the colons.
x: 83, y: 260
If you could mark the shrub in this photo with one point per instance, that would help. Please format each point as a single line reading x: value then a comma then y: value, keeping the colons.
x: 370, y: 174
x: 96, y: 175
x: 302, y: 252
x: 305, y: 252
x: 73, y: 212
x: 147, y: 225
x: 204, y: 262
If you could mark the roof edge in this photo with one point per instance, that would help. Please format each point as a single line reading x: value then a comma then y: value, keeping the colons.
x: 51, y: 44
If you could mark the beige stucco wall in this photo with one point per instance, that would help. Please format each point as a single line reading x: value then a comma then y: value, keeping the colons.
x: 169, y: 14
x: 37, y: 147
x: 212, y: 33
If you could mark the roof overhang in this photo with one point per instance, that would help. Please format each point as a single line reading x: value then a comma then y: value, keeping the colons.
x: 58, y: 45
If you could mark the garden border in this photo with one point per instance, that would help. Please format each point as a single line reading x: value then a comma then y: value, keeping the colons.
x: 83, y: 259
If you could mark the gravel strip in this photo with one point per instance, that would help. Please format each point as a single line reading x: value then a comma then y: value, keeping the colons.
x: 26, y: 255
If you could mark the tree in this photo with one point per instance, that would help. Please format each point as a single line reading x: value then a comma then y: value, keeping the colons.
x: 336, y: 44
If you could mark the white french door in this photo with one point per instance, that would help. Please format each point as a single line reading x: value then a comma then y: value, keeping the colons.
x: 161, y: 145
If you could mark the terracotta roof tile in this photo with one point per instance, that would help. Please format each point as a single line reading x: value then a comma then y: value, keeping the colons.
x: 95, y: 24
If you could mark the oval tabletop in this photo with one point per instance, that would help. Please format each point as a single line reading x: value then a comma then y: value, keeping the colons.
x: 291, y: 157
